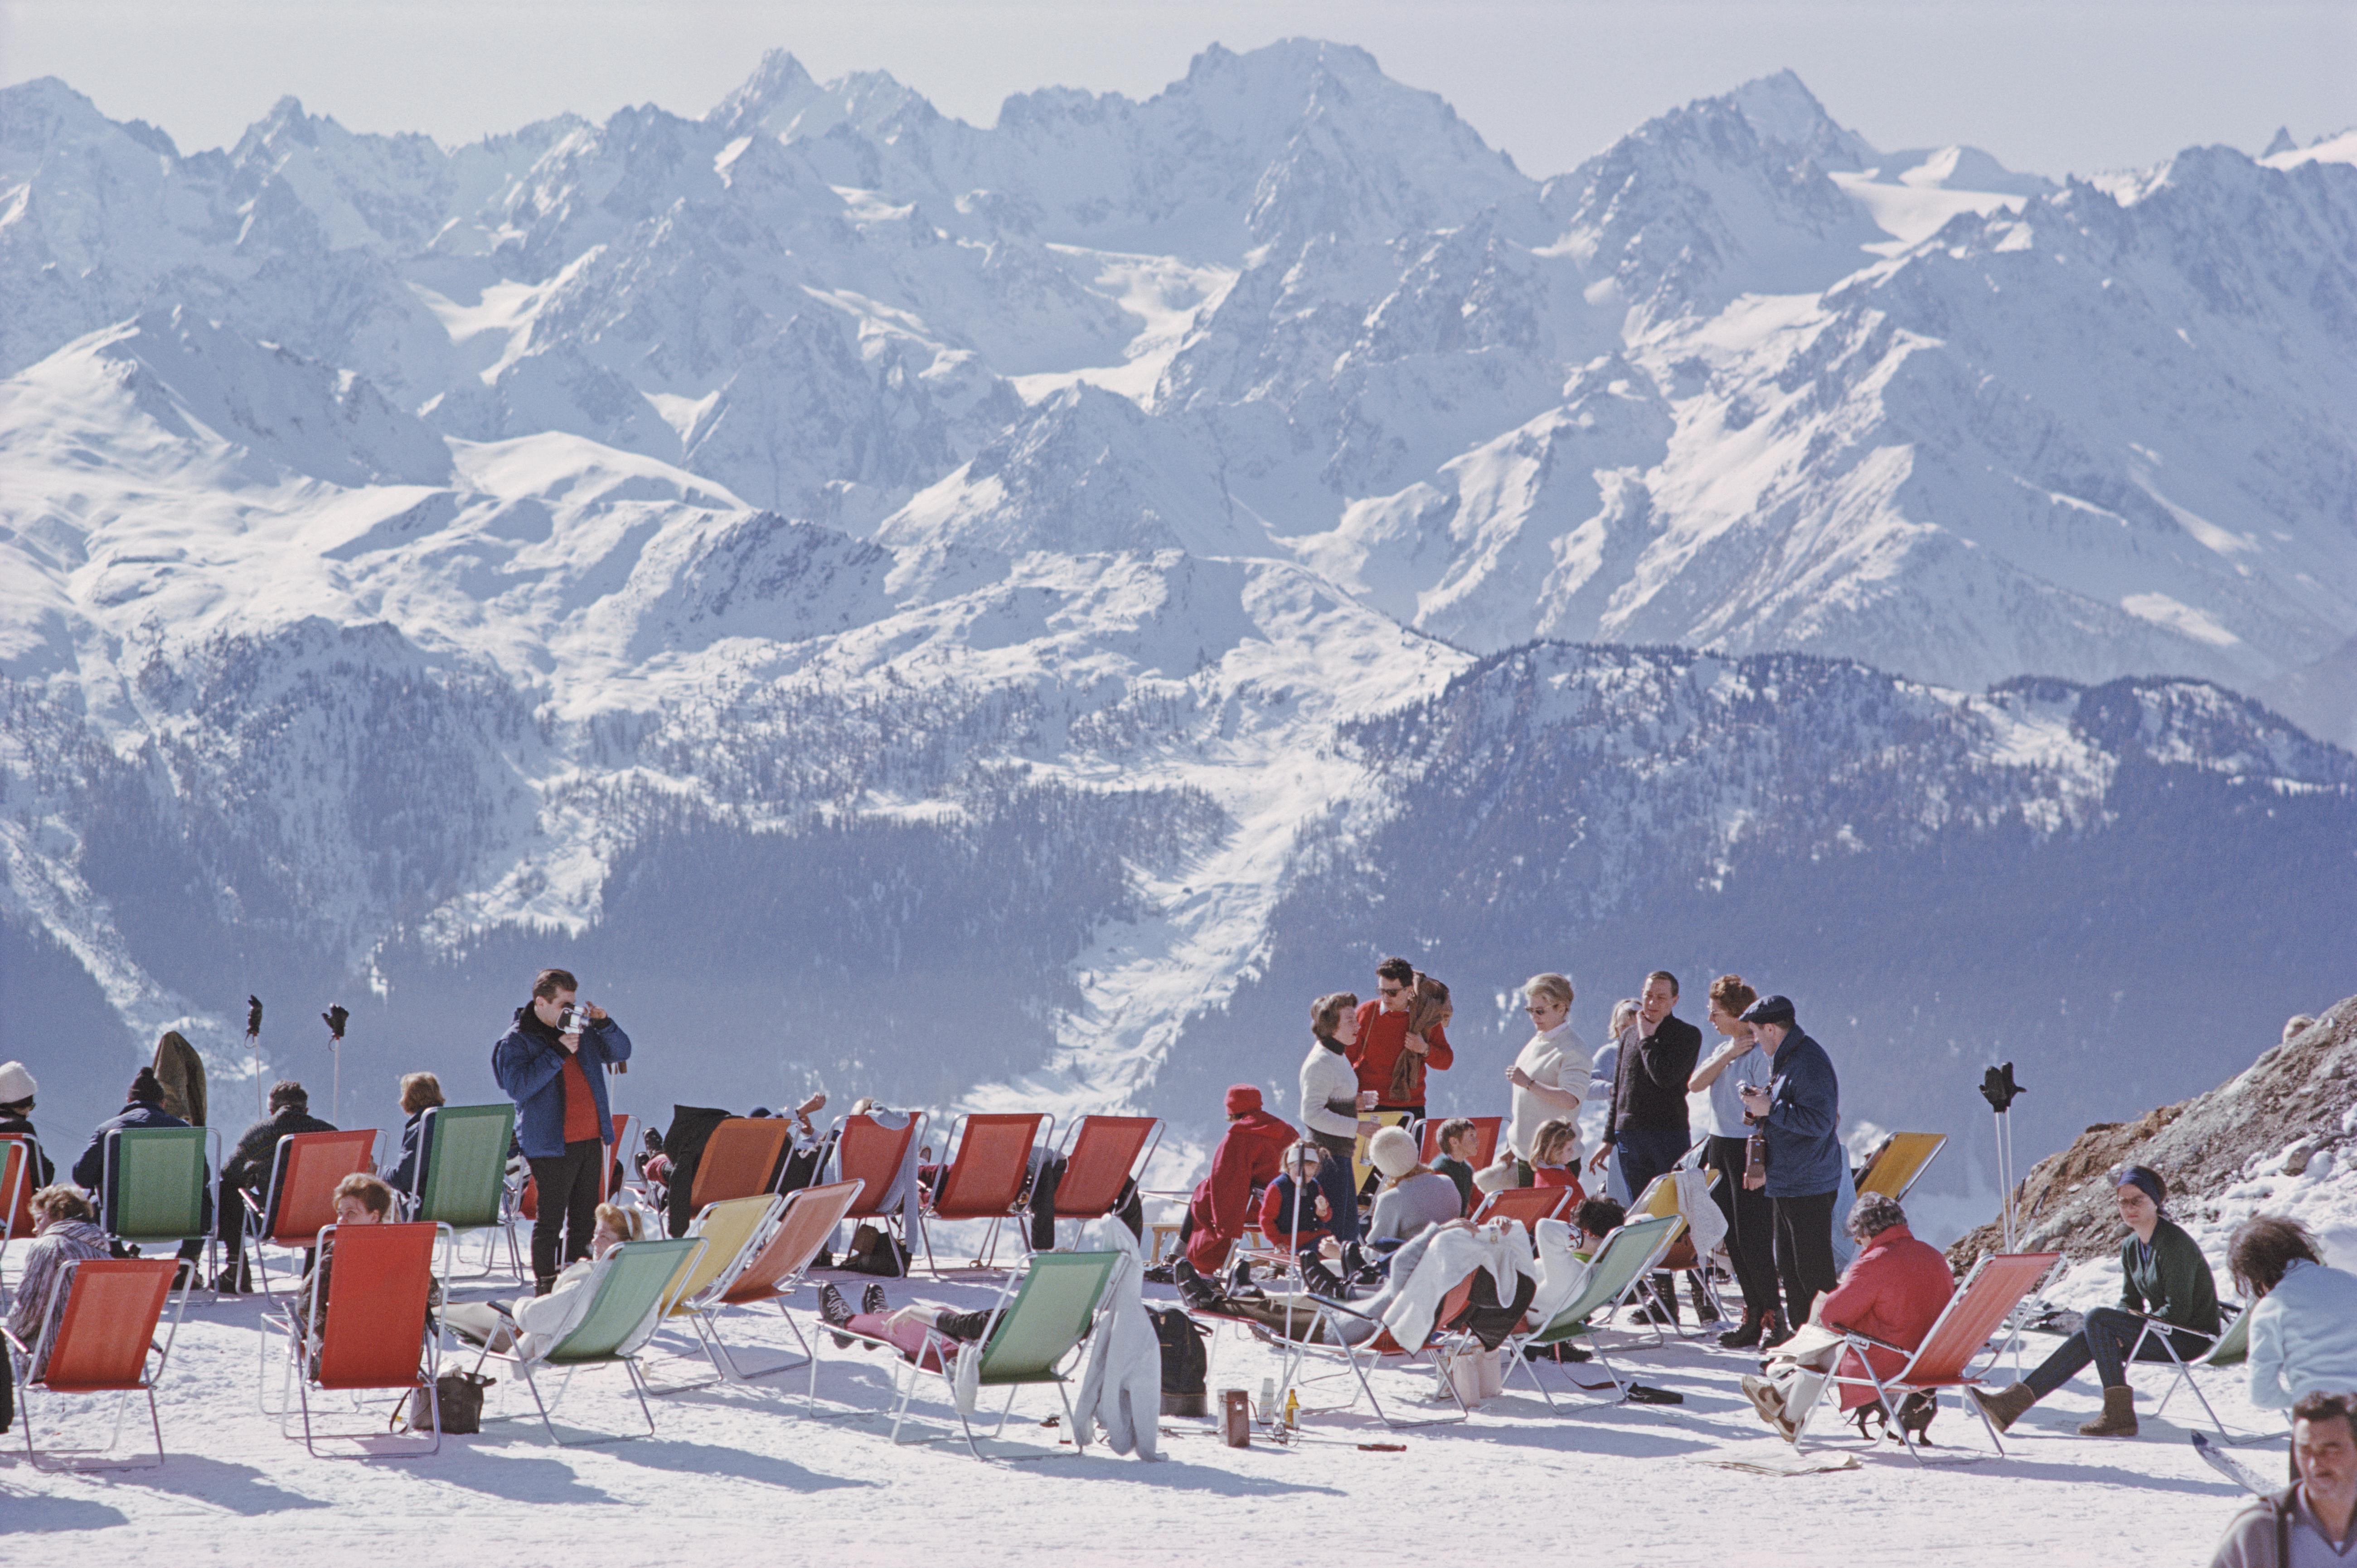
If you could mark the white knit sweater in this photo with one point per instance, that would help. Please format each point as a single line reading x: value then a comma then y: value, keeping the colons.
x: 1327, y: 1076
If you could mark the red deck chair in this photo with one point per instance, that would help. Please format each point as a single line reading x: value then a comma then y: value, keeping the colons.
x: 987, y: 1179
x: 872, y: 1154
x: 1103, y: 1156
x: 98, y: 1331
x: 1963, y: 1330
x: 615, y: 1152
x: 1529, y: 1205
x: 371, y: 1333
x: 1485, y: 1138
x: 1441, y: 1345
x: 16, y: 1166
x: 776, y: 1271
x: 740, y: 1160
x: 301, y: 1197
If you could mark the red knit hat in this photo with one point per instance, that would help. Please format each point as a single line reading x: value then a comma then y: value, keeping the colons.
x: 1242, y: 1098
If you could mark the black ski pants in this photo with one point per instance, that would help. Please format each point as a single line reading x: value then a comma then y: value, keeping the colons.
x: 1750, y: 1227
x: 569, y: 1208
x: 1805, y: 1252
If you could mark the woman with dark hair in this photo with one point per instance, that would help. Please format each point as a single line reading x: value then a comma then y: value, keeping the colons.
x: 1750, y: 1217
x: 2164, y: 1277
x: 1330, y: 1101
x: 2303, y: 1314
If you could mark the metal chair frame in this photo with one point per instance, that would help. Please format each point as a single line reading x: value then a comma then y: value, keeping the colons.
x: 926, y: 1212
x: 23, y: 1357
x: 313, y: 1332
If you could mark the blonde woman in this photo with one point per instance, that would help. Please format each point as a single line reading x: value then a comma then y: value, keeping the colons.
x: 1551, y: 1071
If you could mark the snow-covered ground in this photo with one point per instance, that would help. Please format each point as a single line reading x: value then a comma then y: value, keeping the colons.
x: 733, y: 1471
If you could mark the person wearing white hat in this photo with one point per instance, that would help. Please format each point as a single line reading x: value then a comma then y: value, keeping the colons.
x: 1414, y: 1194
x: 16, y: 1091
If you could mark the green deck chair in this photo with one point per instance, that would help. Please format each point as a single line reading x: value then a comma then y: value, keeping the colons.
x: 635, y: 1288
x: 1054, y: 1303
x: 2230, y: 1347
x: 462, y: 1179
x: 155, y: 1192
x: 1623, y: 1257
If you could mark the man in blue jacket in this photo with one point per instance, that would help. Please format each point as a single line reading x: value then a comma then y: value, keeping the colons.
x: 553, y: 1064
x: 1799, y: 1111
x: 143, y: 1107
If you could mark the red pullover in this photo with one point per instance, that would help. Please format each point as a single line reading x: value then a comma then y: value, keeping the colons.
x: 1381, y: 1038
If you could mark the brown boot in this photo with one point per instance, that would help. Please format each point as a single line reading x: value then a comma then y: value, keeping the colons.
x: 2118, y: 1418
x: 2006, y: 1406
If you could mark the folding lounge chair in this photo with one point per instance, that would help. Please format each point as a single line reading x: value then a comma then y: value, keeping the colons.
x: 1485, y: 1138
x: 155, y: 1187
x: 96, y: 1335
x: 1962, y: 1331
x: 987, y: 1179
x: 630, y: 1297
x: 1104, y: 1158
x: 739, y: 1160
x: 1054, y: 1303
x: 370, y: 1332
x: 301, y: 1197
x: 871, y: 1154
x: 774, y: 1273
x: 18, y: 1160
x: 1361, y: 1165
x: 733, y: 1230
x: 1660, y: 1200
x: 2229, y: 1347
x: 1617, y: 1265
x: 1902, y: 1163
x: 1442, y: 1346
x: 1526, y: 1206
x: 462, y: 1164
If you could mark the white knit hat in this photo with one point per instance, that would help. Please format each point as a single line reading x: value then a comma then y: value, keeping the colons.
x: 1391, y: 1152
x: 16, y: 1083
x: 1498, y: 1175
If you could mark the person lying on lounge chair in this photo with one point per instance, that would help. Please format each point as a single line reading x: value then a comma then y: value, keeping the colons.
x: 1894, y: 1290
x: 533, y: 1323
x: 909, y: 1330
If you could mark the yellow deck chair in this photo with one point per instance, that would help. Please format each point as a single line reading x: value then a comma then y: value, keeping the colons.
x: 1360, y: 1167
x: 1901, y: 1163
x: 733, y: 1230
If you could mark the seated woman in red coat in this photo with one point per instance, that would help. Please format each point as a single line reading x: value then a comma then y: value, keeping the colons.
x: 1893, y: 1291
x: 1247, y: 1160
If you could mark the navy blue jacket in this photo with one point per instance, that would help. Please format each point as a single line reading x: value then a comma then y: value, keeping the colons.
x: 404, y: 1173
x: 528, y: 1063
x: 1805, y: 1158
x: 90, y: 1169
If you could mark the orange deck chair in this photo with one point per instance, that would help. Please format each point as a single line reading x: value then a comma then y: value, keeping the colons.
x: 616, y: 1153
x: 777, y: 1272
x: 97, y: 1334
x: 16, y: 1167
x: 740, y: 1160
x: 1964, y: 1328
x: 872, y: 1154
x: 1526, y: 1205
x: 987, y: 1179
x: 371, y: 1333
x: 1103, y: 1156
x: 1485, y: 1138
x: 301, y: 1197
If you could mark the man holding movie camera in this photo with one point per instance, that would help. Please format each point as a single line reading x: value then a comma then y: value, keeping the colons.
x: 553, y: 1064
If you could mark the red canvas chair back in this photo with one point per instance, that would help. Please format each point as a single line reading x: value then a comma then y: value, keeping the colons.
x: 1975, y: 1313
x: 868, y: 1152
x: 809, y: 1218
x: 1485, y: 1138
x: 614, y: 1151
x: 310, y: 1166
x: 376, y: 1305
x: 16, y: 1177
x: 1105, y: 1152
x: 994, y: 1158
x: 111, y: 1314
x: 740, y: 1159
x: 1528, y: 1205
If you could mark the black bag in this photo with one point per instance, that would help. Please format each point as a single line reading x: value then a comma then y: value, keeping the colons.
x: 460, y: 1395
x: 1186, y: 1366
x: 877, y: 1251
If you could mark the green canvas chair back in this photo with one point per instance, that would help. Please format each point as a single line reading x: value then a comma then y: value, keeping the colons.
x: 1046, y: 1318
x: 637, y: 1275
x: 2233, y: 1346
x: 729, y: 1228
x: 1623, y: 1257
x: 466, y: 1162
x: 156, y: 1184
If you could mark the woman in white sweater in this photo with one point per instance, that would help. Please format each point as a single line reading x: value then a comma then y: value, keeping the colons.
x: 1551, y: 1072
x: 2303, y: 1314
x: 1330, y: 1101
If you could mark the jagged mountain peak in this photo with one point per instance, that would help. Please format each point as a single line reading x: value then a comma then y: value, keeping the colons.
x: 1781, y: 109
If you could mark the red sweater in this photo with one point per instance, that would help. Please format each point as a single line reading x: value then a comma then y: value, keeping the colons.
x: 1247, y: 1159
x: 1381, y: 1038
x: 1894, y: 1290
x: 580, y: 1105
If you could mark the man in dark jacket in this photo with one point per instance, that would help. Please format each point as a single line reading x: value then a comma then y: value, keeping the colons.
x: 1647, y: 1121
x: 143, y: 1107
x: 1800, y: 1110
x: 249, y: 1170
x: 556, y: 1076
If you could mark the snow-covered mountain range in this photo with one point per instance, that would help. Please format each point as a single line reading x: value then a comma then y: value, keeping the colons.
x: 1007, y: 613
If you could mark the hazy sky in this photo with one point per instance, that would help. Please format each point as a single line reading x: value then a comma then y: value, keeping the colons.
x: 2059, y: 86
